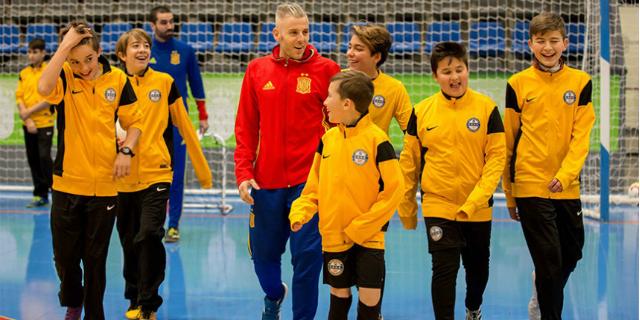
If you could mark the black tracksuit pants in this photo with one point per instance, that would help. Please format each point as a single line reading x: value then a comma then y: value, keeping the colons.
x: 141, y: 217
x: 554, y: 232
x: 448, y: 242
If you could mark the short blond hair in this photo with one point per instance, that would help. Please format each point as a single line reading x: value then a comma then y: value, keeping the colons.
x: 546, y: 22
x: 376, y: 37
x: 123, y: 41
x: 289, y: 9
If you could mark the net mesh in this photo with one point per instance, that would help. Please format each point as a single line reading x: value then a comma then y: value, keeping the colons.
x: 228, y: 34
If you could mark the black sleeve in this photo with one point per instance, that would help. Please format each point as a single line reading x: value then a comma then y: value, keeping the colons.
x: 495, y: 122
x: 412, y: 125
x: 64, y: 83
x: 385, y: 152
x: 585, y: 95
x: 511, y: 99
x: 174, y: 94
x: 320, y: 147
x: 128, y: 96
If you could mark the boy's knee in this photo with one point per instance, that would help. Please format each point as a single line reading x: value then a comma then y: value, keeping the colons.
x: 369, y: 296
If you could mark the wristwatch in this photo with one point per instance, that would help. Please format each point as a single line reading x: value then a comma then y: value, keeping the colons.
x: 127, y: 151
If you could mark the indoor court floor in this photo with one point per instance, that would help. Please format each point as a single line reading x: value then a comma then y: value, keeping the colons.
x: 210, y: 275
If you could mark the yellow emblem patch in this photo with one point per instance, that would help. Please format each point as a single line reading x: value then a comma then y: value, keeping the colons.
x: 252, y: 220
x: 304, y: 84
x: 175, y: 57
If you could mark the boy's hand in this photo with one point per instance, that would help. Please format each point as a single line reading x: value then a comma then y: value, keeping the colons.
x: 244, y: 187
x: 514, y: 214
x: 31, y: 126
x: 122, y: 166
x: 555, y: 185
x: 24, y: 113
x: 74, y: 36
x: 296, y: 226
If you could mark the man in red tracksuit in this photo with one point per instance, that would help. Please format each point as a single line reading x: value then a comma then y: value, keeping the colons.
x: 279, y: 124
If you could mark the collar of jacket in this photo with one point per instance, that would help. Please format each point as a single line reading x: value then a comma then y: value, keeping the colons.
x: 353, y: 130
x: 162, y: 45
x: 538, y: 66
x: 546, y: 75
x: 310, y: 52
x: 453, y: 101
x: 147, y: 69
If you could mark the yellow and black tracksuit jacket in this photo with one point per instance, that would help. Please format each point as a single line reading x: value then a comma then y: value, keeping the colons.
x: 355, y: 185
x: 455, y: 148
x: 27, y: 94
x: 162, y: 106
x: 390, y: 99
x: 547, y: 120
x: 87, y: 113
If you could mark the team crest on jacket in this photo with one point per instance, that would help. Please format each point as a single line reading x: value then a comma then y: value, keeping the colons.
x: 435, y: 233
x: 154, y: 95
x: 378, y: 101
x: 360, y: 157
x: 175, y: 57
x: 304, y: 84
x: 473, y: 124
x: 569, y: 97
x: 335, y: 267
x: 110, y: 94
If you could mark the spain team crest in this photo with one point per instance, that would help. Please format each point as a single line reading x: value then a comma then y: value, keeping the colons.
x: 175, y: 57
x: 304, y: 84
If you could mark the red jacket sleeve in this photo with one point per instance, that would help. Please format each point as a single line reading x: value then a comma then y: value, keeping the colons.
x: 246, y: 130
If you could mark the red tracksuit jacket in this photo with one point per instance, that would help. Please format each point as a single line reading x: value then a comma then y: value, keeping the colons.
x: 280, y: 118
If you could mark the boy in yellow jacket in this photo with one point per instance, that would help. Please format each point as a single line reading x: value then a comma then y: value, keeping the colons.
x: 548, y: 118
x: 143, y: 195
x: 455, y: 148
x: 354, y: 185
x: 38, y: 117
x: 89, y: 96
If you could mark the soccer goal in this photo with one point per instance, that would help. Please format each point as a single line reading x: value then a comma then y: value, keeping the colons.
x: 228, y: 34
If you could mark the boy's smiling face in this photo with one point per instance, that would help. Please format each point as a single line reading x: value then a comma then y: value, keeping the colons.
x: 453, y: 76
x: 548, y: 47
x: 84, y: 61
x: 336, y: 106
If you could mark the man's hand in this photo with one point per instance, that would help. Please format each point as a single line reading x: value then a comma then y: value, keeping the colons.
x: 296, y: 227
x: 514, y: 214
x: 555, y: 185
x: 245, y: 193
x: 204, y: 126
x: 31, y: 126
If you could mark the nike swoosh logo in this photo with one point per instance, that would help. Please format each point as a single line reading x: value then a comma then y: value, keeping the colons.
x: 579, y: 212
x: 76, y: 92
x: 111, y: 207
x: 429, y: 129
x: 161, y: 189
x: 324, y: 157
x: 530, y: 99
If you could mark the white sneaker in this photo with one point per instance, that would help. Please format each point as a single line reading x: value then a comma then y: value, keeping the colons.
x: 533, y: 307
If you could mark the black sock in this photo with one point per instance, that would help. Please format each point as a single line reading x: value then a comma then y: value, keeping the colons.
x: 339, y: 308
x: 368, y: 313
